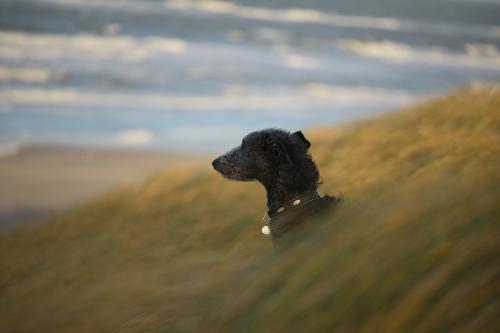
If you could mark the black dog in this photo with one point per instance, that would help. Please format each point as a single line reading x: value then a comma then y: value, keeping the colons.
x: 280, y: 161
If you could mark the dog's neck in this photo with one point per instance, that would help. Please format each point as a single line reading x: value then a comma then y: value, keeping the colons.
x: 290, y: 184
x: 279, y: 194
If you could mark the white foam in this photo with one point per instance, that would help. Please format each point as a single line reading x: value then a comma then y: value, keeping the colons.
x: 301, y: 62
x: 482, y: 50
x: 135, y: 137
x: 288, y: 15
x: 279, y: 100
x: 292, y: 15
x: 20, y: 45
x: 271, y: 35
x: 401, y: 53
x: 359, y: 94
x: 308, y: 15
x: 26, y: 74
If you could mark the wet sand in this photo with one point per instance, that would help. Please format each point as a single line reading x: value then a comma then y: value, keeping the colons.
x: 39, y: 181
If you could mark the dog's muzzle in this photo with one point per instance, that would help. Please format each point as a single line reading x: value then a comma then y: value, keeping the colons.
x: 216, y: 163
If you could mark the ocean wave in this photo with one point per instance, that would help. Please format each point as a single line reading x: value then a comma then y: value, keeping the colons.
x: 299, y: 99
x: 26, y: 74
x: 135, y: 137
x: 129, y: 6
x: 21, y: 45
x: 285, y: 15
x: 402, y: 53
x: 292, y: 15
x: 301, y: 62
x: 309, y: 15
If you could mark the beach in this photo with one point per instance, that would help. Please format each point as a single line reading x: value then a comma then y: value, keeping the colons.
x: 39, y: 181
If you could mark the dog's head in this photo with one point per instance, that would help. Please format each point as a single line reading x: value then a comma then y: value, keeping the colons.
x: 261, y: 154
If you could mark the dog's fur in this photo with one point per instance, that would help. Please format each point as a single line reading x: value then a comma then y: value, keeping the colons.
x: 280, y: 161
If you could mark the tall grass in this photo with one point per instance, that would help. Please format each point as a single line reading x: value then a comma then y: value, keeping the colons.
x: 414, y: 247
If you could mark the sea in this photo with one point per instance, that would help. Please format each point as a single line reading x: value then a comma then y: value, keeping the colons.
x: 197, y: 75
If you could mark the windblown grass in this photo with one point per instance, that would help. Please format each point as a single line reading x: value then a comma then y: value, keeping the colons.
x: 414, y: 247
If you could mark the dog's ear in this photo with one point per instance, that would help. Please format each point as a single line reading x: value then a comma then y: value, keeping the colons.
x: 280, y: 150
x: 299, y: 140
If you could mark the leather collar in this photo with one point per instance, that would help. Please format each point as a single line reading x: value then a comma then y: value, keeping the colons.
x: 294, y: 203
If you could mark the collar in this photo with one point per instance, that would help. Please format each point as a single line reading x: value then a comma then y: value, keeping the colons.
x: 294, y: 203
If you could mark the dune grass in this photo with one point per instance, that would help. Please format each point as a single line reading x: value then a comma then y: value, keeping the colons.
x: 414, y: 247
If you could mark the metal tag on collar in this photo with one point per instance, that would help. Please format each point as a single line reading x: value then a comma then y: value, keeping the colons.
x: 266, y: 230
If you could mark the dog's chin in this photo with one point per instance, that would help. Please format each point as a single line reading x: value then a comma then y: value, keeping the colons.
x: 231, y: 175
x: 240, y: 179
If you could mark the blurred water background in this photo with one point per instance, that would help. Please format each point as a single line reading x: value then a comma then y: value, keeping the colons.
x: 198, y: 75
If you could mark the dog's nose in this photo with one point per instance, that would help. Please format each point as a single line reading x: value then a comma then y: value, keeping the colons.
x: 216, y: 163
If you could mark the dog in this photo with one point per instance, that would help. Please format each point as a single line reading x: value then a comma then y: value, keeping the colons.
x: 281, y: 163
